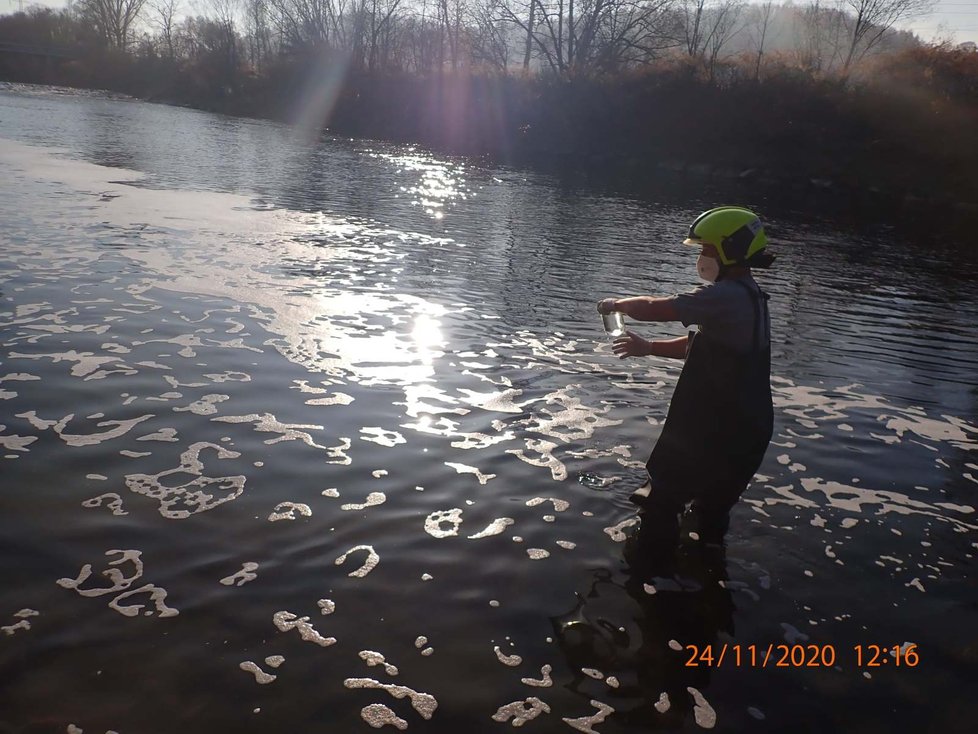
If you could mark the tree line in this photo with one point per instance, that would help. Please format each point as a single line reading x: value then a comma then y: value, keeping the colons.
x: 793, y: 96
x: 565, y: 38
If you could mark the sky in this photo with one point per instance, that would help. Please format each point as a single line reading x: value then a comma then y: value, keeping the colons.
x: 952, y: 19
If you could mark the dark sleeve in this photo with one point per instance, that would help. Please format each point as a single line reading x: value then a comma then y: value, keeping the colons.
x: 702, y: 306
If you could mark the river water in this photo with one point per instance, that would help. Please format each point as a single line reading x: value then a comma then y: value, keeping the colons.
x: 299, y: 435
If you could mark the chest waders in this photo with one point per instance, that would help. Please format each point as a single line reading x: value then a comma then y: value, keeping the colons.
x: 718, y: 427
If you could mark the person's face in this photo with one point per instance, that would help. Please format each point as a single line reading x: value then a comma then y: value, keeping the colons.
x: 710, y: 251
x: 708, y: 263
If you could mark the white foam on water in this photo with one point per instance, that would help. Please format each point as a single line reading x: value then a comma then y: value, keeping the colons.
x: 566, y: 544
x: 24, y: 624
x: 593, y: 673
x: 378, y: 715
x: 559, y: 504
x: 465, y: 469
x: 675, y: 645
x: 612, y: 681
x: 587, y: 723
x: 372, y: 658
x: 421, y: 641
x: 428, y: 652
x: 476, y: 440
x: 14, y: 442
x: 545, y: 681
x: 274, y: 661
x: 756, y: 712
x: 206, y: 405
x: 121, y: 428
x: 229, y: 377
x: 197, y: 494
x: 434, y: 522
x: 157, y: 595
x: 521, y: 711
x: 268, y: 423
x: 110, y: 499
x: 546, y: 458
x: 851, y: 498
x: 573, y: 421
x: 242, y: 577
x: 617, y: 532
x: 537, y: 554
x: 287, y: 510
x: 424, y: 703
x: 381, y: 436
x: 703, y: 713
x: 663, y: 704
x: 261, y: 677
x: 326, y: 606
x: 373, y: 500
x: 87, y: 365
x: 500, y: 401
x: 332, y: 492
x: 285, y: 621
x: 369, y: 564
x: 115, y: 575
x: 164, y: 434
x: 510, y: 660
x: 426, y: 577
x: 496, y: 527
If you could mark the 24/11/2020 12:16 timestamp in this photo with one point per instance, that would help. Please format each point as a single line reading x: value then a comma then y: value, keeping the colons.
x: 799, y: 656
x: 875, y: 656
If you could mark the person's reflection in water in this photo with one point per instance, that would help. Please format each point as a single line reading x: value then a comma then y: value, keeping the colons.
x: 682, y: 601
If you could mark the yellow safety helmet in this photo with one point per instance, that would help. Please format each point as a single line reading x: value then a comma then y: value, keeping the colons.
x: 735, y: 232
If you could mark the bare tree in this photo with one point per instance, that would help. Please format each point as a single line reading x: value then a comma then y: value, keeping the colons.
x: 162, y: 19
x: 490, y: 40
x: 580, y: 36
x: 708, y: 28
x: 873, y: 18
x: 112, y: 19
x: 760, y: 32
x: 258, y: 32
x: 821, y: 37
x: 382, y: 19
x: 724, y: 25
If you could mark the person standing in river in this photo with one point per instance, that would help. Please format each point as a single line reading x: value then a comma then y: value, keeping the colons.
x: 720, y: 420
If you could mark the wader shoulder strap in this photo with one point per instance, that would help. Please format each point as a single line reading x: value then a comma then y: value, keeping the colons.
x: 759, y: 300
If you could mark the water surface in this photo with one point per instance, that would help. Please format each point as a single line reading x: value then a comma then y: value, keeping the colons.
x: 280, y: 407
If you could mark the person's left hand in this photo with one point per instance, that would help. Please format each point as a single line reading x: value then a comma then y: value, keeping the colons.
x: 607, y: 305
x: 630, y: 345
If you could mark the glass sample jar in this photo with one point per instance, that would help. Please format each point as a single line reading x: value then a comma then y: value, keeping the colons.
x: 614, y: 323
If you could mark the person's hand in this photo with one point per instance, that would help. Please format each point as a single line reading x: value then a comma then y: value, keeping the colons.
x: 607, y: 305
x: 630, y: 345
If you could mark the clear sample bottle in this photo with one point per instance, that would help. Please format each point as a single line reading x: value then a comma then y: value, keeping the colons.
x: 614, y: 323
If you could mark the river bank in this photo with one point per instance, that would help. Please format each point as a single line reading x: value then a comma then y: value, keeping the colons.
x: 900, y: 135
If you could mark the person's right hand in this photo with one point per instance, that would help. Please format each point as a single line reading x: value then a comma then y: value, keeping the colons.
x: 630, y: 345
x: 607, y: 305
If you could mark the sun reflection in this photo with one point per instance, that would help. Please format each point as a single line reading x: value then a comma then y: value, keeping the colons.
x: 441, y: 183
x: 427, y: 335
